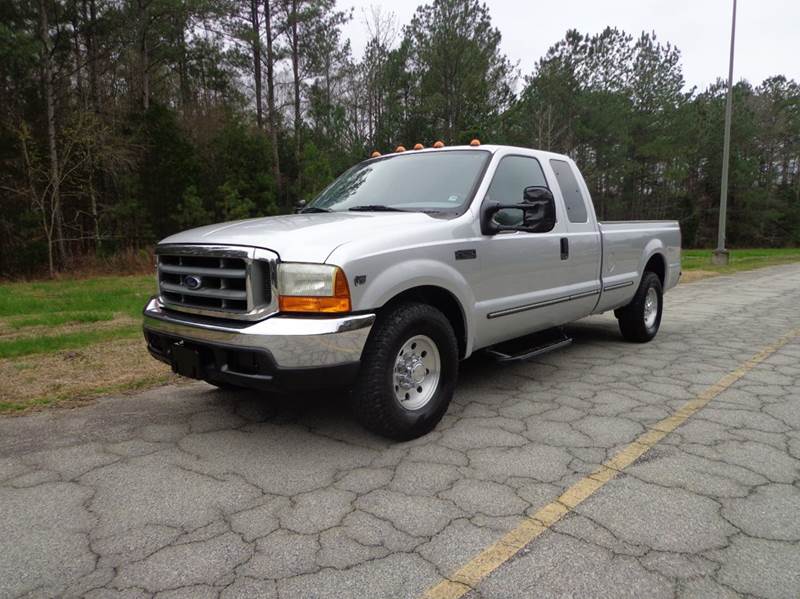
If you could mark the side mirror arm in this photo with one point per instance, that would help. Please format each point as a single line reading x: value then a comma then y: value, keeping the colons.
x: 488, y: 210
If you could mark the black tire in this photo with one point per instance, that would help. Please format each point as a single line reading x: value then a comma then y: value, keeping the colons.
x: 633, y: 321
x: 373, y: 398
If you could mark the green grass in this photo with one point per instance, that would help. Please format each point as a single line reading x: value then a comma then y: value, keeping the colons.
x: 59, y: 318
x: 14, y: 348
x: 746, y: 259
x: 70, y: 301
x: 73, y: 298
x: 33, y: 316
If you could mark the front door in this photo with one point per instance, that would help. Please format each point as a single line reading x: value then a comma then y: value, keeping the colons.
x: 522, y: 281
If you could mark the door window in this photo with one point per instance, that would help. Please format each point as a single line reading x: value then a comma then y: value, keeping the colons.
x: 513, y: 175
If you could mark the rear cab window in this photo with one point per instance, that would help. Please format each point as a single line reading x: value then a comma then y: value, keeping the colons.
x: 570, y: 191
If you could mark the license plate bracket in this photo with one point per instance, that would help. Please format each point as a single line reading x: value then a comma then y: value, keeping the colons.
x: 186, y: 361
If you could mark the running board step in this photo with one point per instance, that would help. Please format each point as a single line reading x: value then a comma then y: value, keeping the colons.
x: 529, y: 346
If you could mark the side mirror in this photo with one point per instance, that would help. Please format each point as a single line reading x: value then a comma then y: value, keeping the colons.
x: 541, y: 216
x: 536, y: 193
x: 299, y: 206
x: 538, y: 212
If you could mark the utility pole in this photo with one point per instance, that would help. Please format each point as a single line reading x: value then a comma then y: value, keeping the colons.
x: 721, y: 255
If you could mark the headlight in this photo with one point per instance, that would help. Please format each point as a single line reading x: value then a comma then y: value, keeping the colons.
x: 312, y: 288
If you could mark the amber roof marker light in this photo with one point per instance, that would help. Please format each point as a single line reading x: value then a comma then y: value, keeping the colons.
x: 375, y: 154
x: 419, y: 147
x: 438, y: 144
x: 475, y: 142
x: 399, y: 149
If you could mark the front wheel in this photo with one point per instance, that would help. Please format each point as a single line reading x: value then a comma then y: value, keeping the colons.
x: 408, y: 372
x: 640, y: 319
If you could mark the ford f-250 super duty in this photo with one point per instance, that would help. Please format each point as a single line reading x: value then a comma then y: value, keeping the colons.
x: 402, y: 267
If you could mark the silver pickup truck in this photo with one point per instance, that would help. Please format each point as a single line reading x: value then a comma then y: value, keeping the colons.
x: 404, y: 266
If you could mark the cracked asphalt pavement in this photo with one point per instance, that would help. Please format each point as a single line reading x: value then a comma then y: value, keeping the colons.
x: 187, y: 491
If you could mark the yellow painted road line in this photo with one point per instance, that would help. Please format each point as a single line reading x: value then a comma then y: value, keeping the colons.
x: 487, y: 561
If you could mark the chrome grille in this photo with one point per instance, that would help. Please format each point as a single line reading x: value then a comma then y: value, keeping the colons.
x: 226, y: 281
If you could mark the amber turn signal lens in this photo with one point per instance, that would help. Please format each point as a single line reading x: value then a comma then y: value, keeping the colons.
x: 325, y: 305
x: 339, y: 302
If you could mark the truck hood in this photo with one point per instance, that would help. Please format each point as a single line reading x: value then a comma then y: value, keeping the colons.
x: 304, y: 237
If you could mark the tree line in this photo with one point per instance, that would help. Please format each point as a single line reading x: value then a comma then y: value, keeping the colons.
x: 122, y: 121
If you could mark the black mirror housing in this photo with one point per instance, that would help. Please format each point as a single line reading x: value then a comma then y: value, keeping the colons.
x: 537, y: 193
x: 538, y: 207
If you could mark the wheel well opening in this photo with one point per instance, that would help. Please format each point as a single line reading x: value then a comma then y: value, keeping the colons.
x: 657, y: 265
x: 442, y: 300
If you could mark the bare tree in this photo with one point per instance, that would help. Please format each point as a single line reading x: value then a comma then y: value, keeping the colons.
x: 383, y: 31
x: 41, y: 187
x: 46, y: 66
x: 143, y: 47
x: 271, y: 111
x: 90, y: 40
x: 292, y: 24
x: 255, y: 43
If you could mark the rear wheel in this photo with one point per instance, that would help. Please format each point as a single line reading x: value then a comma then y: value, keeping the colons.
x: 640, y: 319
x: 408, y: 372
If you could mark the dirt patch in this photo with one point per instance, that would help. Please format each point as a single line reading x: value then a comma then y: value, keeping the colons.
x: 690, y: 276
x: 7, y: 333
x: 73, y: 375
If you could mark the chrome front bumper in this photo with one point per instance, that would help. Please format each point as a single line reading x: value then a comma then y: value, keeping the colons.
x: 293, y: 342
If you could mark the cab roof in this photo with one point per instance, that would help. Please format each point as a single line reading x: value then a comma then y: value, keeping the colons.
x: 492, y: 148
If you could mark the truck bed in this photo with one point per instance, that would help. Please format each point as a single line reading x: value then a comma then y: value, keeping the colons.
x: 626, y: 247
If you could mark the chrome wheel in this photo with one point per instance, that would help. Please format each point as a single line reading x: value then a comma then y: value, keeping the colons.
x: 417, y: 370
x: 650, y: 307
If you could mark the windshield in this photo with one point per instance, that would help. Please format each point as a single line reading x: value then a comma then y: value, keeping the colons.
x: 427, y: 182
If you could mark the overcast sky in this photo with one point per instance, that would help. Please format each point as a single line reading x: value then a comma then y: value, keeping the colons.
x: 767, y: 31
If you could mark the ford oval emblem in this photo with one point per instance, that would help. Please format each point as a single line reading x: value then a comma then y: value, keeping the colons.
x: 192, y: 281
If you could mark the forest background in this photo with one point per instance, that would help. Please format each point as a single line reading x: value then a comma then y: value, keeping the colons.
x: 122, y: 121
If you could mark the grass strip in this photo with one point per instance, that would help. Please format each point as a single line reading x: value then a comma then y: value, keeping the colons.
x: 742, y: 259
x: 37, y: 345
x: 11, y: 407
x: 59, y: 318
x: 100, y: 295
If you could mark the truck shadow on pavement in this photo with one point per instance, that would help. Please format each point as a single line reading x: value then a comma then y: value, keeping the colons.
x: 326, y: 410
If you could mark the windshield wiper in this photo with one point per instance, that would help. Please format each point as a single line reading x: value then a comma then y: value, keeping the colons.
x: 375, y: 208
x: 314, y: 209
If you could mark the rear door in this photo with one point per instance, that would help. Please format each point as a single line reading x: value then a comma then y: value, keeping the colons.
x: 583, y: 247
